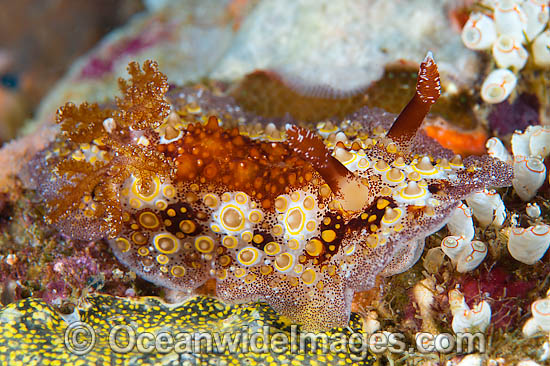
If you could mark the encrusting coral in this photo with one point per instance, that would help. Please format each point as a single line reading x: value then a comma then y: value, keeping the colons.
x: 55, y: 339
x: 186, y: 187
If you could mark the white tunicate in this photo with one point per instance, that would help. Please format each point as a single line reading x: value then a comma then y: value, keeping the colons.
x: 498, y: 86
x: 533, y: 210
x: 541, y: 49
x: 471, y: 257
x: 537, y: 17
x: 465, y: 319
x: 460, y: 222
x: 534, y: 141
x: 529, y: 245
x: 509, y: 52
x: 456, y: 301
x: 453, y: 246
x: 540, y: 322
x: 510, y: 19
x: 474, y: 359
x: 539, y: 141
x: 479, y: 32
x: 529, y: 176
x: 520, y: 142
x: 496, y: 149
x: 487, y: 207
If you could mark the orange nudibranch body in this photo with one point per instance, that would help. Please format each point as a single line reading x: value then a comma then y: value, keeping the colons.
x: 186, y: 187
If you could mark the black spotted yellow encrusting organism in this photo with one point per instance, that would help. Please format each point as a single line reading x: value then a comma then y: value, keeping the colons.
x: 31, y: 332
x: 187, y: 186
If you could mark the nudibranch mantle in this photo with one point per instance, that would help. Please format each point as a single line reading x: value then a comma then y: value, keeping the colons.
x: 301, y: 218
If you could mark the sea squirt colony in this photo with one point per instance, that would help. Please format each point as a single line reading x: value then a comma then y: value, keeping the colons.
x: 299, y: 217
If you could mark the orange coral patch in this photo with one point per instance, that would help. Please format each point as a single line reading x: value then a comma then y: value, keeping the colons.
x: 460, y: 142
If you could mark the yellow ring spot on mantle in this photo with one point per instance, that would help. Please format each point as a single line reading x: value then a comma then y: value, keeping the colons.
x: 309, y: 203
x: 187, y: 226
x: 177, y: 271
x: 240, y: 272
x: 277, y: 230
x: 162, y: 258
x: 169, y: 191
x: 139, y: 238
x: 328, y: 235
x: 295, y: 220
x: 293, y: 244
x: 363, y: 163
x: 272, y: 248
x: 281, y: 203
x: 161, y: 205
x: 311, y: 225
x: 265, y: 270
x: 395, y: 175
x: 221, y: 274
x: 154, y: 189
x: 284, y: 262
x: 308, y: 276
x: 241, y: 198
x: 232, y: 218
x: 412, y: 191
x: 204, y: 244
x: 392, y: 215
x: 122, y: 244
x: 247, y: 236
x: 166, y: 243
x: 225, y: 260
x: 350, y: 249
x: 248, y: 256
x: 314, y: 247
x: 135, y: 203
x: 255, y: 216
x: 211, y: 200
x: 149, y: 220
x: 229, y: 242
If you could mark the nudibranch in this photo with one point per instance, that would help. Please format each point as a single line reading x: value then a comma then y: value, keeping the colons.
x: 186, y: 186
